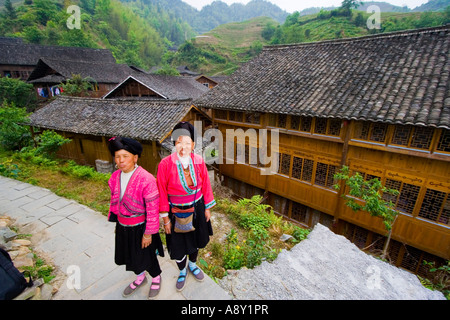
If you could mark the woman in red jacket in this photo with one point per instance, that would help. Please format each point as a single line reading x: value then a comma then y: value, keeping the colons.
x: 185, y: 200
x: 135, y: 209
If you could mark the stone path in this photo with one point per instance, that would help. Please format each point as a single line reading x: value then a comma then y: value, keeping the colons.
x: 80, y: 242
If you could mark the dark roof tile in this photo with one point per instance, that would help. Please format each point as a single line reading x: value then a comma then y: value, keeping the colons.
x: 15, y: 52
x: 400, y: 77
x: 138, y: 119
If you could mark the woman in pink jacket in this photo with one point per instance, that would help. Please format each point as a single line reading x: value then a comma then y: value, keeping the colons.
x: 135, y: 209
x: 185, y: 201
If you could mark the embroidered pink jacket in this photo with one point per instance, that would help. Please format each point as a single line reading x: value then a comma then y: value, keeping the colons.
x: 173, y: 187
x: 140, y: 202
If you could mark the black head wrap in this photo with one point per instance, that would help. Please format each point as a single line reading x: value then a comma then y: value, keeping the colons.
x: 183, y: 129
x: 128, y: 144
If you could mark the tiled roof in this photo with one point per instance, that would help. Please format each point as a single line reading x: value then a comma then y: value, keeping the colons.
x: 15, y: 52
x: 102, y: 72
x: 168, y: 87
x: 138, y: 119
x: 400, y: 77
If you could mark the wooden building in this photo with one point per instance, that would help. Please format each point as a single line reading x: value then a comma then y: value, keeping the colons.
x: 378, y: 104
x: 141, y: 85
x: 90, y: 122
x: 104, y: 76
x: 210, y: 81
x: 18, y: 59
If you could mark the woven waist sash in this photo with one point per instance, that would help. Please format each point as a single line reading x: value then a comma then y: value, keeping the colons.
x: 131, y: 221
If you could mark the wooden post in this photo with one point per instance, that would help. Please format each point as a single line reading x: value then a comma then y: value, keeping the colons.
x: 348, y: 127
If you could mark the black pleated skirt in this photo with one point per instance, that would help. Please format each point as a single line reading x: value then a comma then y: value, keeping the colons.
x: 129, y: 252
x: 181, y: 244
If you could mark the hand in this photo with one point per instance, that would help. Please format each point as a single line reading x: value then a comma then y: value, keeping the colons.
x: 207, y: 215
x: 167, y: 227
x: 146, y: 242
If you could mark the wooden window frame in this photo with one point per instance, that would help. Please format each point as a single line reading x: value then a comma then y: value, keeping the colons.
x: 411, y: 134
x: 439, y: 133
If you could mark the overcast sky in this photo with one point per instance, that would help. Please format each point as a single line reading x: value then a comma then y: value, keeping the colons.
x: 298, y: 5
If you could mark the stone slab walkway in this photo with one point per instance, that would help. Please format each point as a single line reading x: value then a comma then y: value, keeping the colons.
x: 80, y: 242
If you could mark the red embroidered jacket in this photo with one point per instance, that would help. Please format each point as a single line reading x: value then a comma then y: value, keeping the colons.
x: 140, y: 202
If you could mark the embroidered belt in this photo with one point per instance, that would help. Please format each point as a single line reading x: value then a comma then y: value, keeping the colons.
x: 184, y: 202
x: 131, y: 221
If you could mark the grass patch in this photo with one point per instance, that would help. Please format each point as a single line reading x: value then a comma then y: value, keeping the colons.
x: 65, y: 178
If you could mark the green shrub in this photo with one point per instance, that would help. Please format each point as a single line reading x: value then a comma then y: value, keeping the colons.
x: 83, y: 172
x: 13, y: 134
x: 9, y: 169
x: 49, y: 143
x: 257, y: 220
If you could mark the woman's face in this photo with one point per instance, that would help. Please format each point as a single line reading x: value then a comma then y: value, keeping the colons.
x: 125, y: 160
x: 184, y: 146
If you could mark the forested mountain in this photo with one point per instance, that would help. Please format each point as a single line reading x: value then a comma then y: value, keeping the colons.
x: 216, y: 13
x: 341, y: 23
x: 433, y: 5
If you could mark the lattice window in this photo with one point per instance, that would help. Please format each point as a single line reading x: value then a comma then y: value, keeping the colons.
x: 285, y: 163
x: 436, y: 206
x: 221, y: 114
x: 370, y: 131
x: 378, y: 132
x: 362, y: 130
x: 232, y: 115
x: 297, y: 165
x: 321, y: 174
x: 360, y: 237
x: 422, y: 138
x: 411, y: 258
x: 253, y: 118
x: 299, y: 212
x: 307, y: 171
x: 444, y: 141
x: 407, y: 198
x: 305, y: 124
x: 321, y: 126
x: 282, y: 120
x: 401, y: 135
x: 324, y: 174
x: 295, y: 122
x: 330, y: 177
x: 335, y: 127
x: 369, y: 177
x: 392, y: 184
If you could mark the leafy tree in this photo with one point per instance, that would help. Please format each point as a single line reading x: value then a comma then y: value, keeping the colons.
x: 14, y: 135
x: 77, y: 86
x: 9, y: 10
x: 33, y: 34
x: 359, y: 20
x: 268, y: 31
x: 168, y: 71
x: 367, y: 196
x: 17, y: 92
